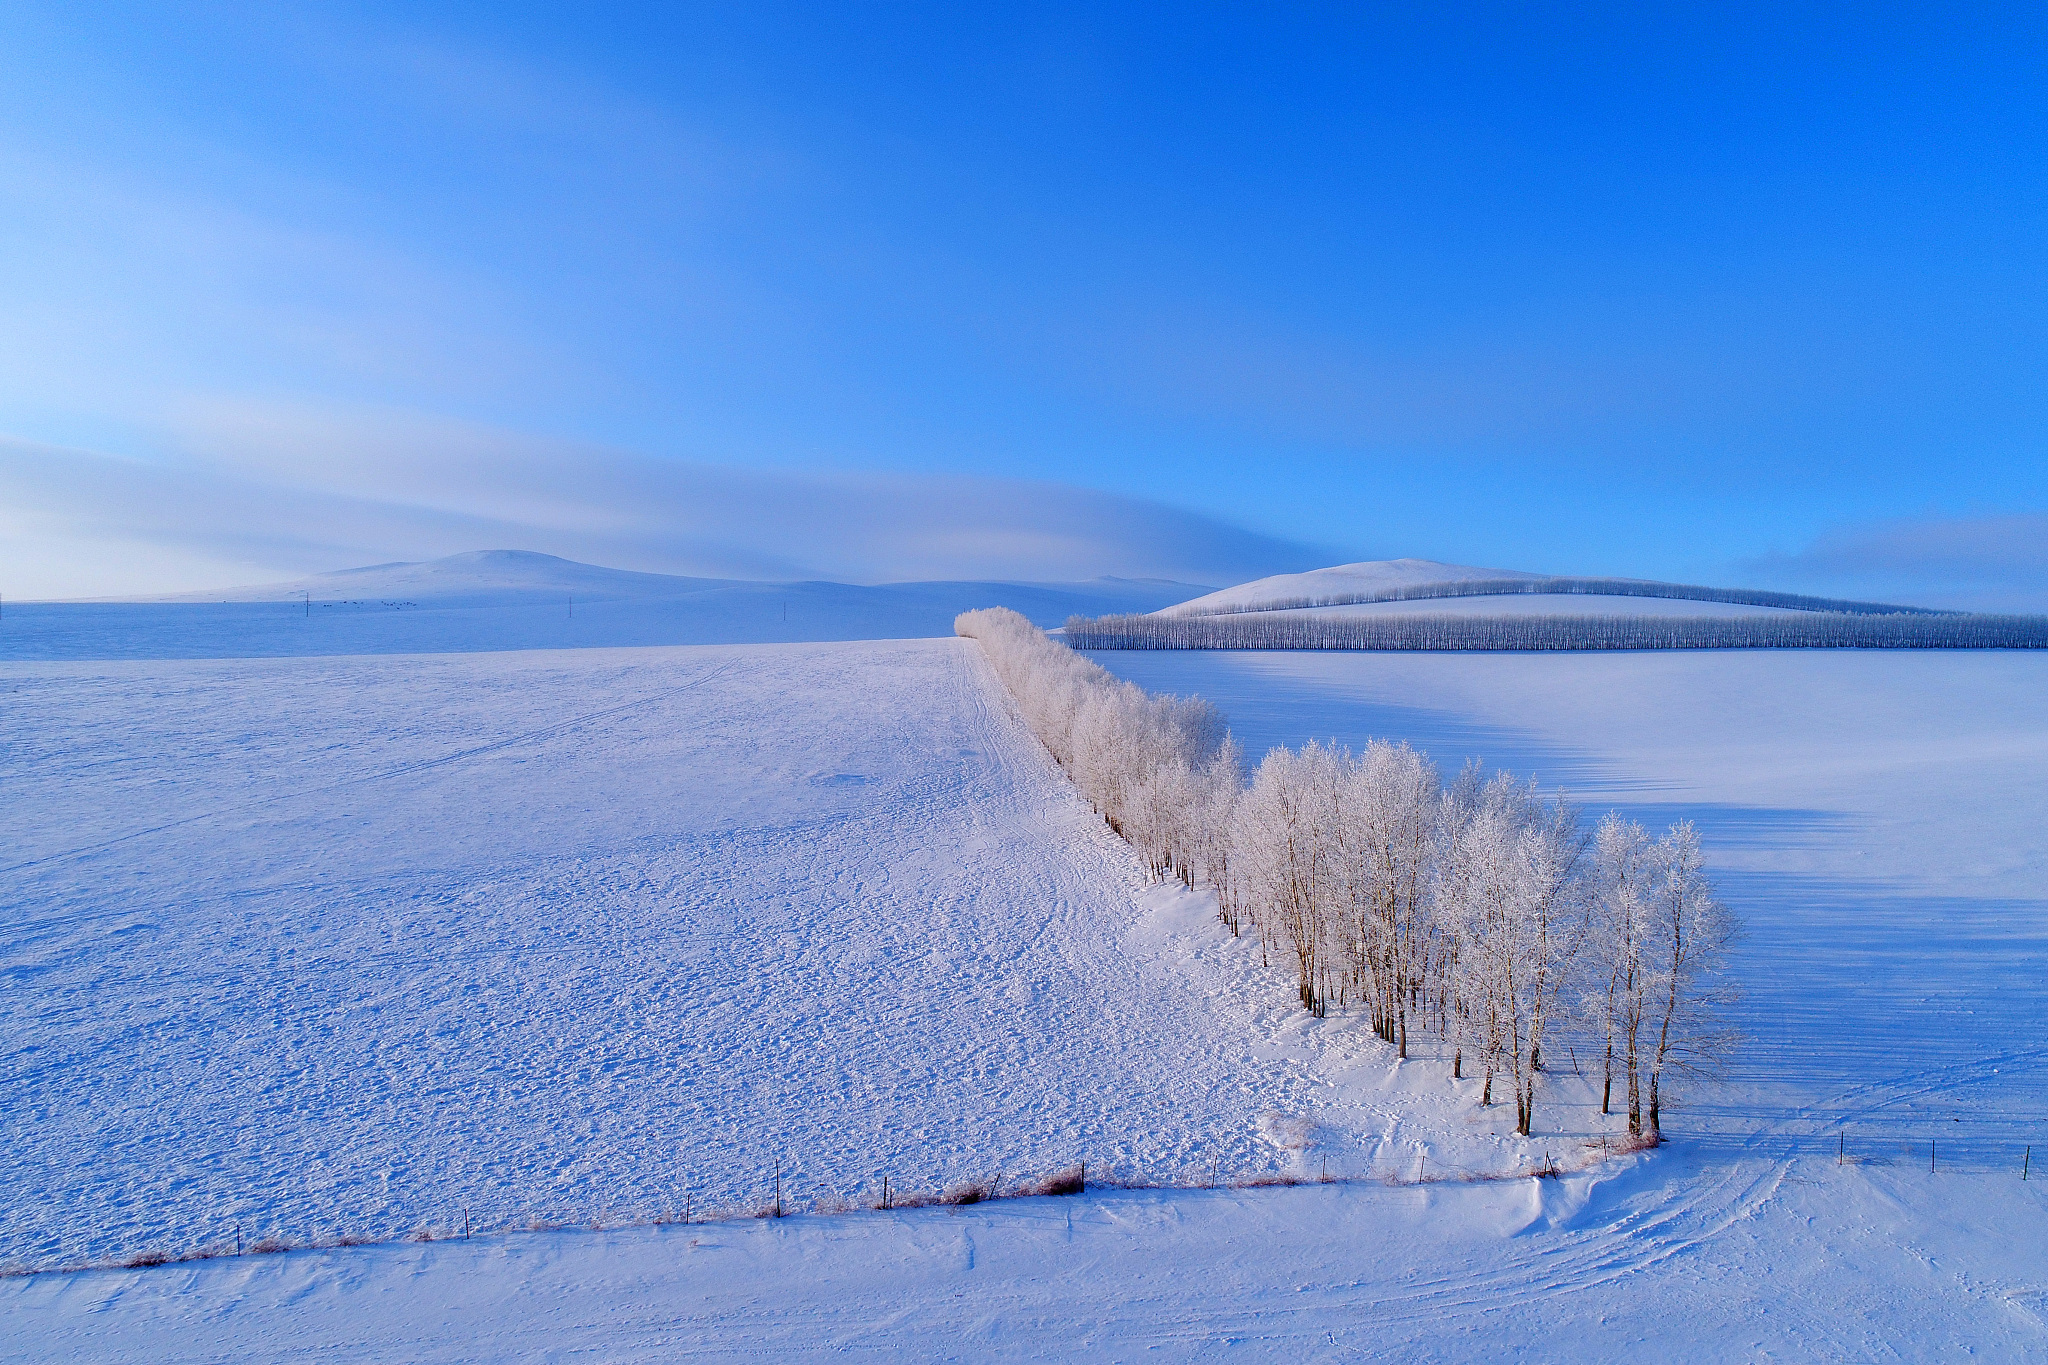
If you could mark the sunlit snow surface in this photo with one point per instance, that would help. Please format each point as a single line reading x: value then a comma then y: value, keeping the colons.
x: 338, y: 946
x: 1669, y: 1261
x: 331, y: 944
x: 1875, y: 817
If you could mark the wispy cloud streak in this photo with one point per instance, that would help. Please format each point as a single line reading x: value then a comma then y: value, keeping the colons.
x: 1993, y: 561
x: 270, y: 490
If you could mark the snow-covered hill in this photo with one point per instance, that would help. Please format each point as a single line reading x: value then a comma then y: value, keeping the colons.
x: 1369, y: 578
x: 508, y: 599
x: 477, y: 576
x: 1518, y: 604
x: 503, y: 577
x: 1425, y: 587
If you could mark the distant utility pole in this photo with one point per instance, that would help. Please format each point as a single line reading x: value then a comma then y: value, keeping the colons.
x: 572, y: 606
x: 309, y: 605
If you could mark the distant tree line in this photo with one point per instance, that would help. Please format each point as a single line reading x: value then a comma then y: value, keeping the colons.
x: 1810, y: 630
x: 1478, y: 912
x: 1576, y: 587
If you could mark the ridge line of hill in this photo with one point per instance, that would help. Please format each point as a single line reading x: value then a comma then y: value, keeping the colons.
x: 1592, y: 587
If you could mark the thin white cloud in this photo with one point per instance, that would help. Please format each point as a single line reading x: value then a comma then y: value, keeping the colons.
x: 1994, y: 561
x: 267, y: 491
x: 146, y: 257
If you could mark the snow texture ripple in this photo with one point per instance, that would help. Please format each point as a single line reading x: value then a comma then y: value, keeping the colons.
x: 342, y: 945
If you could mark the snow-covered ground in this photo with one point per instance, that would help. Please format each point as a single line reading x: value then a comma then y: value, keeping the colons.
x: 341, y: 946
x: 322, y: 945
x: 1874, y: 817
x: 1672, y: 1260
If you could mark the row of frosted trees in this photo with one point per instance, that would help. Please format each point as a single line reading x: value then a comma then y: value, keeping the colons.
x: 1477, y: 913
x: 1275, y: 629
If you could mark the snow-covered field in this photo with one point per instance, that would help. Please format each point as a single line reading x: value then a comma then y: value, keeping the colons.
x: 1671, y: 1261
x: 347, y: 944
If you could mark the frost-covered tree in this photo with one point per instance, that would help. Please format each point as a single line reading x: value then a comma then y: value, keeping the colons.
x: 1551, y: 913
x: 1510, y: 920
x: 1481, y: 906
x: 1140, y: 760
x: 1686, y: 936
x: 1282, y: 837
x: 1388, y: 804
x: 1624, y: 867
x: 1449, y: 891
x: 1657, y: 936
x: 1217, y: 789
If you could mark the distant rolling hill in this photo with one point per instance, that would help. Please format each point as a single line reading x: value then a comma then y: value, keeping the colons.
x: 515, y: 599
x: 1389, y: 586
x: 1418, y: 604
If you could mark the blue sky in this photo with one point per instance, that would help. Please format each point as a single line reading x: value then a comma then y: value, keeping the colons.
x: 869, y: 292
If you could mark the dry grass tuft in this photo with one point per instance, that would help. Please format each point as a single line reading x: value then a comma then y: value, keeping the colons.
x: 1071, y: 1180
x: 1623, y: 1144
